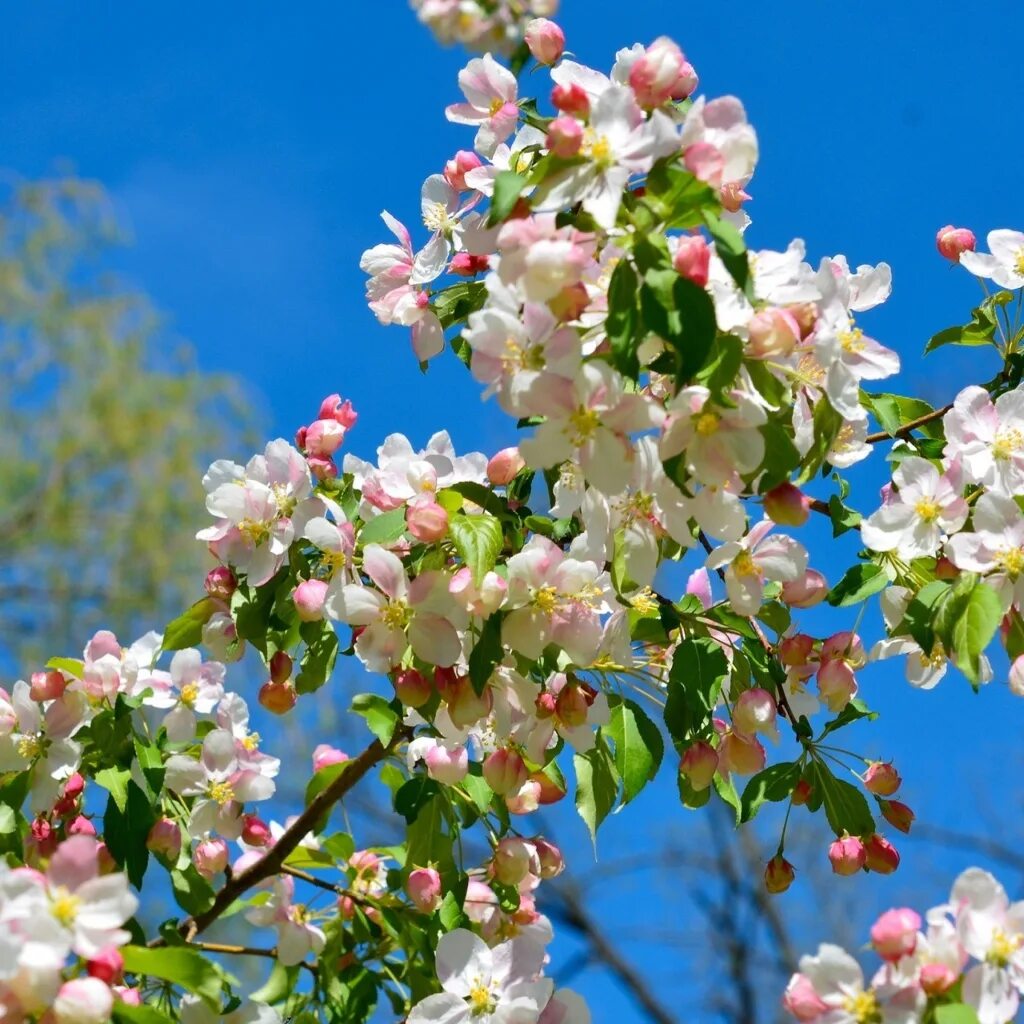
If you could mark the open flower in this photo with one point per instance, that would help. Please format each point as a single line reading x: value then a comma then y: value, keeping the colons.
x: 490, y: 92
x: 1004, y: 264
x: 995, y: 548
x: 987, y: 438
x: 483, y: 985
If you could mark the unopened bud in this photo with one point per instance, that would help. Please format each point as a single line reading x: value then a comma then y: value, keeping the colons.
x: 107, y: 965
x: 795, y: 651
x: 324, y: 438
x: 899, y: 815
x: 945, y: 569
x: 456, y: 169
x: 807, y: 591
x: 325, y: 755
x: 546, y: 40
x: 83, y: 1001
x: 692, y: 259
x: 773, y: 333
x: 210, y: 857
x: 48, y: 685
x: 894, y: 934
x: 309, y: 597
x: 256, y: 832
x: 504, y: 466
x: 801, y: 793
x: 571, y: 706
x: 565, y: 136
x: 468, y: 264
x: 847, y: 855
x: 424, y: 888
x: 937, y: 979
x: 412, y: 688
x: 655, y: 77
x: 278, y: 698
x: 837, y: 684
x: 778, y: 874
x: 280, y: 667
x: 571, y: 99
x: 881, y: 855
x: 755, y: 712
x: 426, y: 520
x: 699, y: 764
x: 447, y: 765
x: 505, y: 771
x: 164, y: 840
x: 548, y: 790
x: 81, y: 826
x: 549, y: 857
x: 951, y: 241
x: 881, y: 778
x: 220, y: 583
x: 513, y: 860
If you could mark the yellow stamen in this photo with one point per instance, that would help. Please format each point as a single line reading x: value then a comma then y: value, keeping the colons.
x: 852, y: 341
x: 584, y: 423
x: 863, y: 1007
x: 222, y: 793
x: 481, y: 999
x: 254, y: 530
x: 1007, y: 444
x: 1011, y: 561
x: 706, y: 423
x: 1003, y: 947
x: 743, y: 565
x: 64, y: 906
x: 189, y: 693
x: 396, y: 614
x: 30, y: 747
x: 644, y: 601
x: 928, y: 509
x: 546, y: 599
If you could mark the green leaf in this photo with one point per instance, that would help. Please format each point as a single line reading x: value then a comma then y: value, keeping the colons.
x: 690, y: 797
x: 480, y: 495
x: 414, y: 795
x: 683, y: 314
x: 73, y: 666
x: 726, y: 790
x: 827, y: 423
x: 193, y: 893
x: 843, y: 517
x: 699, y: 667
x: 379, y: 714
x: 125, y: 831
x: 8, y: 820
x: 956, y: 1013
x: 980, y: 331
x: 853, y: 712
x: 151, y: 763
x: 179, y: 965
x: 383, y: 529
x: 487, y: 653
x: 187, y: 630
x: 450, y: 913
x: 895, y: 411
x: 125, y: 1013
x: 732, y: 251
x: 921, y: 611
x: 781, y: 456
x: 508, y: 187
x: 967, y: 622
x: 278, y: 986
x: 639, y: 747
x: 775, y: 783
x: 478, y: 540
x: 622, y: 321
x: 597, y: 786
x: 115, y: 782
x: 845, y: 806
x: 318, y: 660
x: 859, y: 582
x: 718, y: 374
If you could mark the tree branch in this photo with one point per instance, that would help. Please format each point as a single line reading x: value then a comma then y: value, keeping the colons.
x: 909, y: 427
x: 272, y: 863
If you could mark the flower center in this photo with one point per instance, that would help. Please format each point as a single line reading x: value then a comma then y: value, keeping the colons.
x: 333, y: 561
x: 644, y: 601
x: 521, y: 357
x: 928, y: 509
x: 285, y: 499
x: 597, y: 148
x: 1018, y: 262
x: 1003, y: 947
x: 546, y: 599
x: 254, y: 531
x: 30, y: 747
x: 481, y: 999
x: 852, y: 341
x: 437, y: 218
x: 251, y: 742
x: 706, y: 423
x: 222, y: 793
x: 744, y: 565
x: 1007, y: 444
x: 189, y: 693
x: 1011, y: 561
x: 584, y: 423
x: 64, y: 906
x: 496, y: 104
x: 863, y: 1007
x: 844, y: 439
x: 936, y: 659
x: 396, y: 615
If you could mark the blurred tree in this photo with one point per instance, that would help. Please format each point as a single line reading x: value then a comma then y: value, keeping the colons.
x: 107, y: 428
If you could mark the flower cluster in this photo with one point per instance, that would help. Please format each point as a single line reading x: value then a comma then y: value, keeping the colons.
x: 497, y: 25
x: 967, y: 951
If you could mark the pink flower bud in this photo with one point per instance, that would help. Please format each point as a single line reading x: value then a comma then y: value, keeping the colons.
x: 256, y: 832
x: 937, y: 979
x: 220, y: 583
x: 83, y: 1001
x: 546, y: 40
x: 325, y: 755
x: 571, y: 99
x: 309, y: 597
x: 280, y: 667
x: 570, y: 302
x: 456, y: 169
x: 802, y: 1001
x: 801, y: 793
x: 778, y: 874
x: 565, y: 136
x: 945, y: 569
x: 505, y: 771
x: 952, y: 241
x: 551, y: 791
x: 105, y: 860
x: 796, y: 650
x: 527, y: 799
x: 424, y: 888
x: 49, y: 685
x: 513, y: 860
x: 164, y: 840
x: 837, y: 685
x: 73, y: 789
x: 881, y: 855
x: 733, y: 196
x: 221, y: 637
x: 773, y: 332
x: 847, y: 855
x: 881, y: 778
x: 549, y: 857
x: 699, y: 764
x: 740, y: 754
x: 426, y: 520
x: 278, y: 698
x: 412, y: 688
x: 482, y: 600
x: 692, y: 259
x: 210, y: 857
x: 845, y: 645
x: 468, y: 264
x: 899, y: 815
x: 504, y: 466
x: 465, y: 706
x: 755, y: 712
x: 324, y: 437
x: 107, y: 965
x: 806, y: 592
x: 655, y: 77
x: 705, y: 162
x: 894, y: 934
x: 333, y: 408
x: 572, y: 706
x: 81, y: 826
x: 447, y: 765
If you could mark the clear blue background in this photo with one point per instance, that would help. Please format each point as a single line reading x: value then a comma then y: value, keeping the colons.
x: 251, y: 149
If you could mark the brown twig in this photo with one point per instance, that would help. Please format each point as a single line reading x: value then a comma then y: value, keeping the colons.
x: 273, y: 862
x: 909, y: 427
x: 223, y: 947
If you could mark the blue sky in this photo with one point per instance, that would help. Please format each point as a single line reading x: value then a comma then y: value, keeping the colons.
x: 251, y: 154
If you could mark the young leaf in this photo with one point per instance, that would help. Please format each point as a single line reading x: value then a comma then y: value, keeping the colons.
x: 486, y: 654
x: 508, y: 187
x: 775, y: 783
x: 379, y: 715
x: 383, y: 529
x: 859, y: 582
x: 845, y: 806
x: 639, y: 747
x: 597, y: 787
x: 621, y: 323
x: 178, y: 965
x: 187, y: 630
x: 478, y: 539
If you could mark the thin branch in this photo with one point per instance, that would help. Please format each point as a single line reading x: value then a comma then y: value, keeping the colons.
x: 909, y: 427
x: 222, y: 947
x: 272, y: 863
